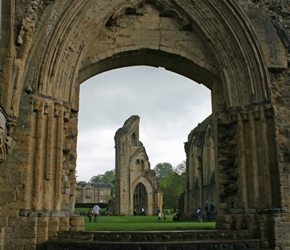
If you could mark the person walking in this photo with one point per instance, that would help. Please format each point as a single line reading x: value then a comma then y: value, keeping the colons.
x: 96, y: 211
x: 209, y: 209
x: 199, y: 214
x: 159, y: 215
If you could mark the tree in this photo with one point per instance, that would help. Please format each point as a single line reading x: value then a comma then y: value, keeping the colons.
x: 172, y: 184
x: 162, y: 170
x: 107, y: 177
x: 81, y: 183
x: 180, y: 168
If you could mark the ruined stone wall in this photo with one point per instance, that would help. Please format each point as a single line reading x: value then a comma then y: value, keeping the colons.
x: 243, y: 184
x: 274, y: 121
x: 200, y: 168
x: 39, y: 185
x: 132, y: 168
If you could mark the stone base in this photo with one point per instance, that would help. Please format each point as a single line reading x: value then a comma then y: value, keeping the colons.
x: 273, y: 225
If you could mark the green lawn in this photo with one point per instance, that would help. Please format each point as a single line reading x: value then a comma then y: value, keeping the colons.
x: 143, y: 223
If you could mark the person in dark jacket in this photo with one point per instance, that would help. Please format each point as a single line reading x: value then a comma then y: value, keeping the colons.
x: 209, y: 209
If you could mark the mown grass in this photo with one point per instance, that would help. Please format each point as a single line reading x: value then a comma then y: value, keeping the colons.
x: 143, y: 223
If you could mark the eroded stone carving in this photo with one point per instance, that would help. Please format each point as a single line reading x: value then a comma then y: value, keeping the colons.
x: 7, y: 143
x: 30, y: 17
x: 166, y: 10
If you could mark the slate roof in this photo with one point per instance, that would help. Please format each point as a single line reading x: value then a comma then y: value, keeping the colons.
x: 94, y: 185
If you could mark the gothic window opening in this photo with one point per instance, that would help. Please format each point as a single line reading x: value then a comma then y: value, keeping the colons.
x: 140, y: 199
x: 134, y: 140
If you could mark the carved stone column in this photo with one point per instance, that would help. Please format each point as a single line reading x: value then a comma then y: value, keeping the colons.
x: 247, y: 168
x: 58, y: 109
x: 38, y: 156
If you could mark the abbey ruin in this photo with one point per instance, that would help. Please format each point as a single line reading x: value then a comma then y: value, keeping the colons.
x: 136, y: 184
x: 200, y: 166
x: 239, y: 49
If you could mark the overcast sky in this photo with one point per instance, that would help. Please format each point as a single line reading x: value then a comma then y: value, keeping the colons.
x: 169, y: 106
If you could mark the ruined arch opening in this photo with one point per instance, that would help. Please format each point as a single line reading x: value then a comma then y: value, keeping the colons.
x: 140, y: 199
x: 168, y: 104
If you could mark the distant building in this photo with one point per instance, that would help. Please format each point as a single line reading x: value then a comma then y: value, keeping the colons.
x: 93, y: 193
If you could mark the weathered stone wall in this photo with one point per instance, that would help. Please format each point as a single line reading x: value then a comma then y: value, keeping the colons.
x: 38, y: 191
x: 200, y: 168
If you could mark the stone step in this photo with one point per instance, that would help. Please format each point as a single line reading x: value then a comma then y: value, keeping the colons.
x: 144, y: 236
x: 147, y: 240
x: 163, y: 245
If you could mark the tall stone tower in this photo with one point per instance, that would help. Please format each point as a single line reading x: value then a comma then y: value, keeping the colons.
x: 136, y: 183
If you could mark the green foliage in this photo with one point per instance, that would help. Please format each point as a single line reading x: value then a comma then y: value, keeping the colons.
x: 162, y: 170
x: 107, y: 177
x: 172, y: 186
x: 172, y: 182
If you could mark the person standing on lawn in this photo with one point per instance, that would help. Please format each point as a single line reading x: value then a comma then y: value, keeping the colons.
x: 209, y: 209
x: 96, y: 211
x: 90, y: 214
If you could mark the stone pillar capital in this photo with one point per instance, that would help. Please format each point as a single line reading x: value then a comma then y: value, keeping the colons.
x: 58, y: 110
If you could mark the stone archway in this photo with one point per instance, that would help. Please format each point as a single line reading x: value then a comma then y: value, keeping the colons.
x: 140, y: 199
x: 49, y: 48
